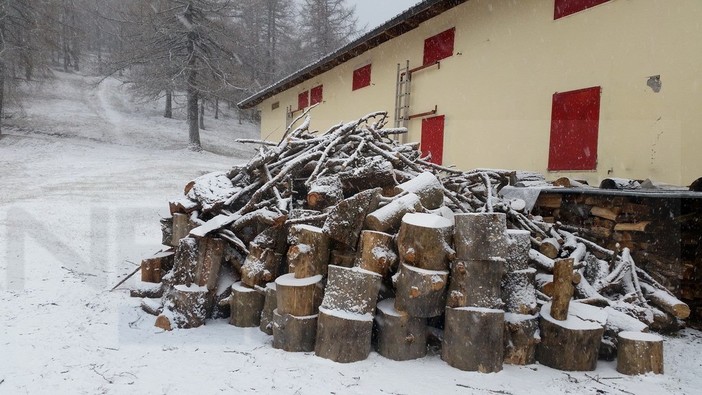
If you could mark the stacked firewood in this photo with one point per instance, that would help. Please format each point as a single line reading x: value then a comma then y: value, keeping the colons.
x: 320, y: 236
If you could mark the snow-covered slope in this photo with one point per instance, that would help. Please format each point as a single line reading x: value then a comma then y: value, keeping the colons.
x: 85, y: 174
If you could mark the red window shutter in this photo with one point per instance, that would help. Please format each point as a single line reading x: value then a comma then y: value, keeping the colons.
x: 439, y: 47
x: 303, y: 100
x: 575, y: 122
x: 316, y: 95
x: 567, y: 7
x: 433, y: 138
x: 361, y: 77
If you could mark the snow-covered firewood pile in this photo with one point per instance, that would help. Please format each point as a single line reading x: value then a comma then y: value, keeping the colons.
x: 322, y: 235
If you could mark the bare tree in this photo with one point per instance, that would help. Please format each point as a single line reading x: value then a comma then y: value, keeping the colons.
x: 181, y: 45
x: 328, y: 24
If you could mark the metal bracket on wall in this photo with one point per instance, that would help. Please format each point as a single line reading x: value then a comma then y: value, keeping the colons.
x: 424, y: 114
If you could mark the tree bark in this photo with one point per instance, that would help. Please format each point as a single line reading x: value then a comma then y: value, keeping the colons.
x: 427, y: 187
x: 639, y: 353
x: 476, y: 284
x: 480, y: 236
x: 424, y: 241
x: 420, y: 292
x: 298, y: 297
x: 518, y: 291
x: 168, y: 112
x: 308, y: 254
x: 376, y: 252
x: 474, y: 339
x: 521, y: 338
x: 353, y: 290
x: 294, y: 334
x: 343, y: 337
x: 400, y: 337
x: 246, y: 305
x: 202, y: 114
x: 562, y: 288
x: 269, y: 305
x: 152, y: 269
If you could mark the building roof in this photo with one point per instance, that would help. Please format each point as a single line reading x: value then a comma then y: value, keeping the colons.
x: 395, y: 27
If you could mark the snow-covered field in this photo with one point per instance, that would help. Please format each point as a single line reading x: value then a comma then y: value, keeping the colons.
x: 85, y: 175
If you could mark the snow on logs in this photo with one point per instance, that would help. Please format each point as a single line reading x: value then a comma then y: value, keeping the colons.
x: 319, y: 227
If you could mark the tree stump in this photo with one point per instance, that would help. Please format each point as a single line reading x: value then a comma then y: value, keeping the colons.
x: 185, y: 307
x: 424, y: 241
x: 639, y: 353
x: 308, y: 254
x: 343, y: 337
x: 400, y: 337
x: 376, y: 252
x: 389, y: 217
x: 294, y: 334
x: 270, y: 303
x: 572, y: 344
x: 421, y: 292
x: 427, y: 187
x: 246, y: 305
x: 474, y: 339
x: 261, y: 266
x: 152, y: 269
x: 519, y: 293
x: 518, y: 246
x: 351, y: 290
x: 480, y: 236
x: 476, y: 284
x: 298, y: 296
x: 521, y: 338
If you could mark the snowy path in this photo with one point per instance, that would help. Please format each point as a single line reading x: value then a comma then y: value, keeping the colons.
x: 84, y: 178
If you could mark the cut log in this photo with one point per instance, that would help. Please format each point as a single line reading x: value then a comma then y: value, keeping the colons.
x: 550, y: 247
x: 562, y: 288
x: 427, y: 187
x: 270, y: 303
x: 342, y: 258
x: 572, y: 344
x: 308, y: 254
x: 376, y: 252
x: 480, y: 236
x: 298, y: 296
x: 345, y: 220
x: 246, y: 305
x: 351, y: 290
x: 181, y: 228
x: 610, y: 213
x: 389, y: 217
x: 152, y: 306
x: 518, y: 246
x: 519, y: 293
x: 667, y: 302
x: 142, y: 289
x: 294, y: 334
x: 476, y: 284
x: 185, y: 262
x: 184, y: 307
x: 633, y: 227
x: 343, y: 337
x: 521, y: 338
x: 324, y: 192
x: 400, y: 337
x: 211, y: 255
x: 377, y: 173
x: 153, y: 269
x: 261, y: 266
x: 167, y: 231
x: 424, y: 241
x: 639, y: 353
x: 421, y: 292
x: 474, y: 339
x: 547, y: 200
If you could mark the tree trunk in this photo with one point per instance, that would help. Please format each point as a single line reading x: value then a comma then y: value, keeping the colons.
x: 424, y: 241
x: 343, y: 337
x: 202, y: 114
x: 420, y: 292
x: 168, y: 113
x: 480, y: 236
x: 474, y: 339
x: 639, y: 353
x: 476, y: 284
x: 246, y: 305
x: 216, y: 104
x: 294, y: 334
x: 298, y: 297
x: 192, y: 91
x: 400, y: 337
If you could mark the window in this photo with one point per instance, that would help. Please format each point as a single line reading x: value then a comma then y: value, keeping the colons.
x: 316, y: 95
x: 361, y: 77
x: 303, y: 100
x: 567, y: 7
x: 439, y: 47
x: 575, y: 122
x: 275, y: 105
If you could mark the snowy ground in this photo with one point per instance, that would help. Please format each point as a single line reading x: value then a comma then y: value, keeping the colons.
x: 85, y: 175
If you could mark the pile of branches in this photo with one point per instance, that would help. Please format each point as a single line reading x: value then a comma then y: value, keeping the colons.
x: 302, y: 178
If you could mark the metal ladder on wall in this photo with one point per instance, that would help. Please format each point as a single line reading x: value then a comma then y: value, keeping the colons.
x: 402, y: 96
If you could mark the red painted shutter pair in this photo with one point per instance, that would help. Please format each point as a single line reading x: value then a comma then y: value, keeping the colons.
x: 566, y: 7
x: 439, y: 46
x: 310, y: 98
x: 575, y: 122
x: 361, y: 77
